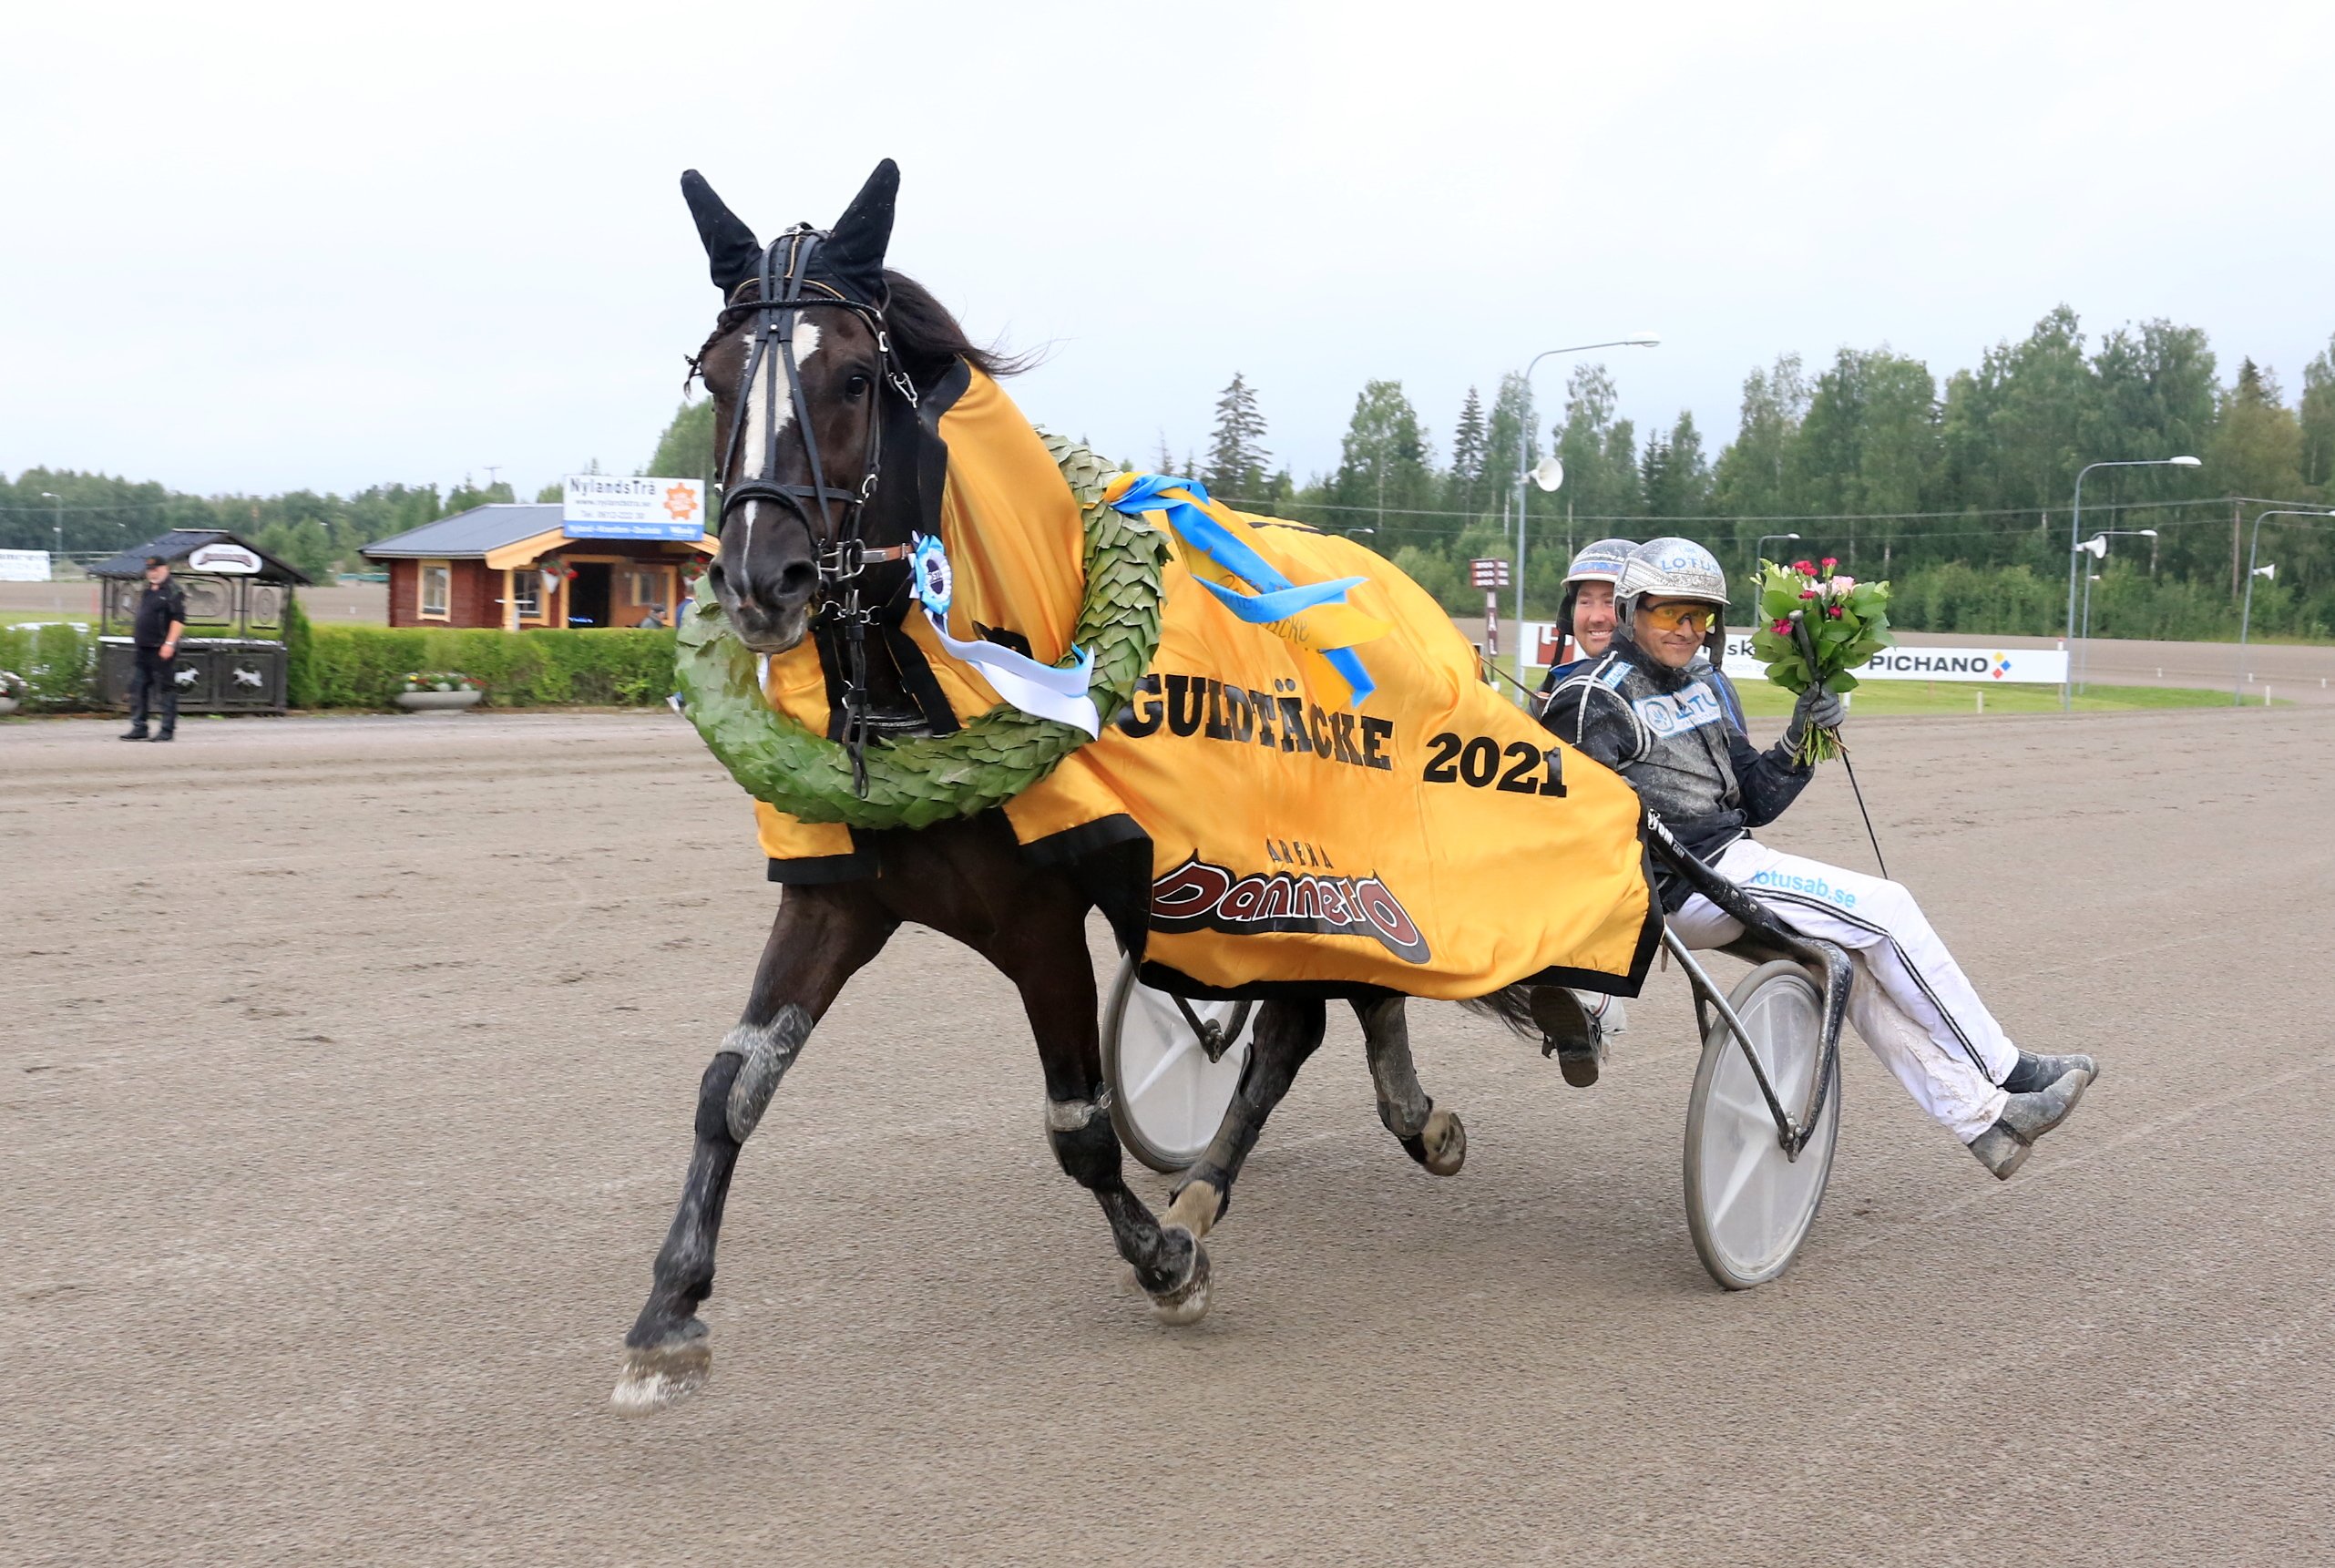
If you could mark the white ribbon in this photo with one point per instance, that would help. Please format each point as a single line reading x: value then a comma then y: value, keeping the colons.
x: 1042, y: 691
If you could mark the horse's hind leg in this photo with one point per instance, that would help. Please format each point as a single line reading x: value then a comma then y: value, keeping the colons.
x: 820, y: 937
x: 1286, y: 1033
x: 1434, y: 1138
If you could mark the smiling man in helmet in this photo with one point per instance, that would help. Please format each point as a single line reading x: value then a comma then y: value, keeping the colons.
x: 1585, y: 614
x: 1651, y: 707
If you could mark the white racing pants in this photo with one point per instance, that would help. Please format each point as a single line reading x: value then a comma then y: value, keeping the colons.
x: 1912, y: 1001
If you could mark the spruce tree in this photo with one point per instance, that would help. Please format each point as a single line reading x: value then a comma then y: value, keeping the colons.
x: 1470, y: 445
x: 1237, y: 454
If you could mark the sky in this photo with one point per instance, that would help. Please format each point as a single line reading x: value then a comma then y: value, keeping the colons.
x: 250, y: 248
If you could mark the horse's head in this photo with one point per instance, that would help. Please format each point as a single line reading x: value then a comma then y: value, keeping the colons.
x: 804, y: 388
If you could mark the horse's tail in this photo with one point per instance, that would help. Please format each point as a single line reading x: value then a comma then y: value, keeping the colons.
x: 1510, y: 1005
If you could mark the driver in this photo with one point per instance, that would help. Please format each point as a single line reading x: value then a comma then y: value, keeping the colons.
x: 1586, y: 613
x: 1649, y: 708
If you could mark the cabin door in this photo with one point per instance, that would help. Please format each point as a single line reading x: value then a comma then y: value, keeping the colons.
x: 589, y: 594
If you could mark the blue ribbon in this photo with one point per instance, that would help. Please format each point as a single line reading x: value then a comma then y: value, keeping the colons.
x: 1276, y: 598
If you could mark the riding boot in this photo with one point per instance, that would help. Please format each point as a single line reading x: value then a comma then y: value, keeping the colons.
x: 2034, y: 1072
x: 2004, y: 1147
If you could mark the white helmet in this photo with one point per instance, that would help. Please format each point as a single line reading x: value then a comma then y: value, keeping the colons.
x: 1674, y: 569
x: 1671, y: 568
x: 1601, y: 561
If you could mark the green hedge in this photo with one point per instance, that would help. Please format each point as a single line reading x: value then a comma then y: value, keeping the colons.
x: 364, y: 666
x: 59, y: 661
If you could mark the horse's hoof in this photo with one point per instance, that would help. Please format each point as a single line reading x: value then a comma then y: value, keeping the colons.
x: 1181, y: 1306
x: 1443, y: 1144
x: 659, y: 1375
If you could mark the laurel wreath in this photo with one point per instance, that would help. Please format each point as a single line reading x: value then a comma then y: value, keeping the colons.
x: 993, y: 757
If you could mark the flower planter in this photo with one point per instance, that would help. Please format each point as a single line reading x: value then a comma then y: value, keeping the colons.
x: 437, y: 701
x: 8, y: 704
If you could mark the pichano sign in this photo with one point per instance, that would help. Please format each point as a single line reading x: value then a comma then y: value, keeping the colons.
x: 611, y: 506
x: 1953, y: 661
x: 224, y: 560
x: 1492, y: 571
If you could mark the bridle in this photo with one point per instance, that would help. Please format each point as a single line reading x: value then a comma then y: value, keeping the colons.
x: 780, y: 300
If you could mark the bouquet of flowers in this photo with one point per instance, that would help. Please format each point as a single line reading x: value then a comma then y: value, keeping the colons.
x: 442, y: 681
x: 1815, y: 626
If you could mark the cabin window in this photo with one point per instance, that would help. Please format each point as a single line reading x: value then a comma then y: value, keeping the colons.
x: 435, y: 578
x: 526, y: 593
x: 649, y: 590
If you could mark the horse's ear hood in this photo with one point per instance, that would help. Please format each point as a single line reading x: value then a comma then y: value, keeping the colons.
x: 855, y: 250
x: 731, y: 251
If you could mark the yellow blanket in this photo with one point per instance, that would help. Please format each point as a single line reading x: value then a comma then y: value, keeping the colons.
x: 1434, y: 840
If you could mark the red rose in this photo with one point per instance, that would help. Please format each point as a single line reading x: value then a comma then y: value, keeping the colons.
x: 1782, y: 629
x: 1808, y: 593
x: 1805, y: 569
x: 1831, y: 560
x: 1833, y: 612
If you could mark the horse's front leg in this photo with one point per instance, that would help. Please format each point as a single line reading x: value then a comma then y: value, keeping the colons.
x: 820, y: 937
x: 1434, y: 1138
x: 1059, y: 998
x: 1286, y: 1033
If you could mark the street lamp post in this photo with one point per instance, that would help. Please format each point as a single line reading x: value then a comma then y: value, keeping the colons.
x: 1524, y: 445
x: 2098, y: 547
x: 2246, y: 616
x: 2075, y: 534
x: 53, y: 496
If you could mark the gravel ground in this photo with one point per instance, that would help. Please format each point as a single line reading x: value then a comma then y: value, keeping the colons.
x: 346, y: 1078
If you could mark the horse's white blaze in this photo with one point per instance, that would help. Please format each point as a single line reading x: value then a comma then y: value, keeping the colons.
x: 770, y: 380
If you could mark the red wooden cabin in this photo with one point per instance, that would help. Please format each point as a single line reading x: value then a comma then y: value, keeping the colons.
x: 513, y: 565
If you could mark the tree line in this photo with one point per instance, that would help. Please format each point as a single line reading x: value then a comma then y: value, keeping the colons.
x: 1959, y: 491
x: 96, y: 514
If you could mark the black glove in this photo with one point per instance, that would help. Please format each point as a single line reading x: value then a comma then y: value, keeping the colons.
x: 1819, y: 709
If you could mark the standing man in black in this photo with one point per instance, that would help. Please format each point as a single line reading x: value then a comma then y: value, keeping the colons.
x: 161, y: 617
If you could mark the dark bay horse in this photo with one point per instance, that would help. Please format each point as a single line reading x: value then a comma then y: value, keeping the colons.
x: 816, y: 366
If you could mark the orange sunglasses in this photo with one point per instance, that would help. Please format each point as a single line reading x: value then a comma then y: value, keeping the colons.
x: 1676, y: 616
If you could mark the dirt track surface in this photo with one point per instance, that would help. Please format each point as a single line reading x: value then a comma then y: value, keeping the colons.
x: 346, y: 1071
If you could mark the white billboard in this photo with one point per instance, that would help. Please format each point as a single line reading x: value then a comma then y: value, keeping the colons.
x: 613, y: 506
x: 1977, y: 661
x: 24, y: 566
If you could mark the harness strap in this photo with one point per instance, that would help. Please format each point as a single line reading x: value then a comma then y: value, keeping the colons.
x: 831, y: 514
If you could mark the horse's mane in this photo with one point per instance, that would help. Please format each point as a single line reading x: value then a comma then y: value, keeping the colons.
x: 928, y: 337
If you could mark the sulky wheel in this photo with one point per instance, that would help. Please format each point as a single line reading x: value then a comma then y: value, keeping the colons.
x: 1167, y: 1096
x: 1749, y: 1204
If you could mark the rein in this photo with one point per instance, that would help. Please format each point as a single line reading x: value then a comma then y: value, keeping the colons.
x: 841, y: 555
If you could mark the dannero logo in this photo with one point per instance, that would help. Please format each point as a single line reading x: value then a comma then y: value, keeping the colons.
x: 1199, y: 897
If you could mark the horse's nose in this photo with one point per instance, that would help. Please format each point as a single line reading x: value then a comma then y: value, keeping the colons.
x: 790, y: 585
x: 796, y: 579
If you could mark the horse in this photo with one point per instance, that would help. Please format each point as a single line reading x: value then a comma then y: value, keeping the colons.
x: 833, y: 396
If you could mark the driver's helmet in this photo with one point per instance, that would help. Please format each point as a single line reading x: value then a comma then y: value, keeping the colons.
x: 1598, y: 562
x: 1674, y: 569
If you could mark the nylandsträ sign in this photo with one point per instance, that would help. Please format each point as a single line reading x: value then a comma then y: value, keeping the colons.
x: 614, y: 506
